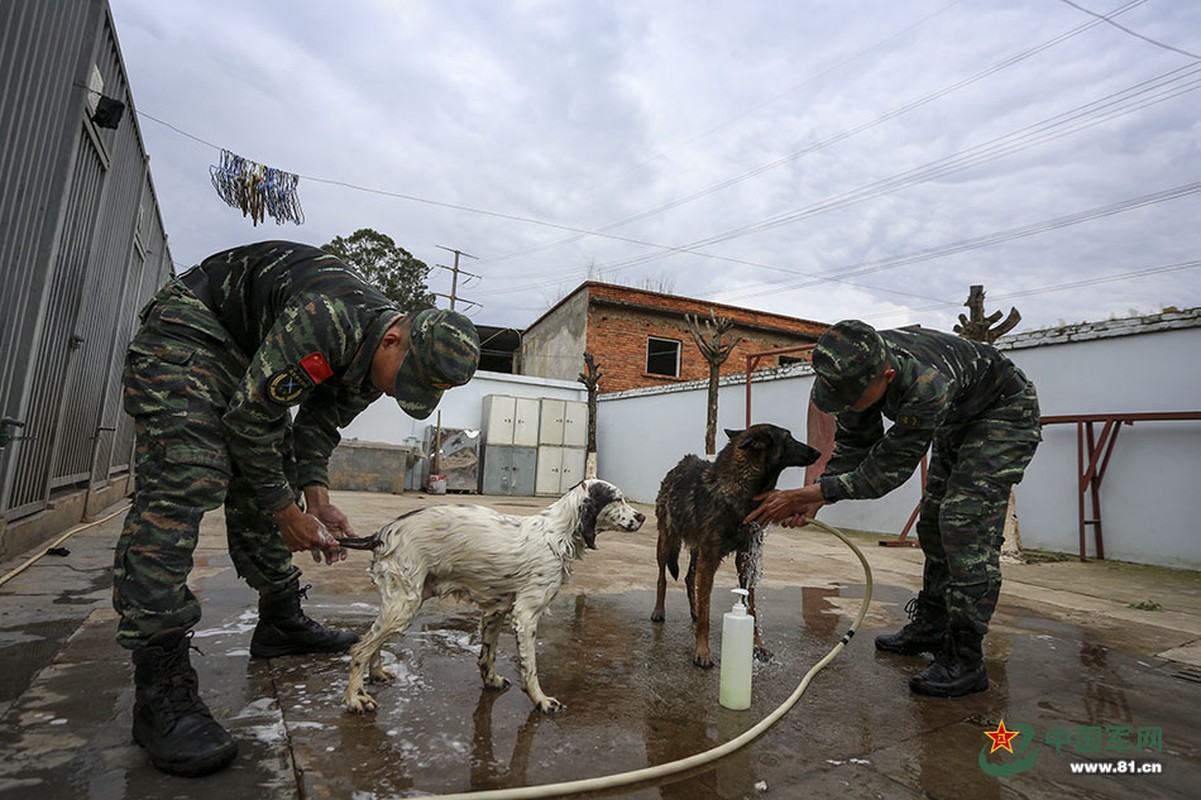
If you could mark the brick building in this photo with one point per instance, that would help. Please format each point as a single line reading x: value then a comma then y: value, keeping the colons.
x: 640, y: 338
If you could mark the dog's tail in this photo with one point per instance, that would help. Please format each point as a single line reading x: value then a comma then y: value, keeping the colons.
x: 360, y: 543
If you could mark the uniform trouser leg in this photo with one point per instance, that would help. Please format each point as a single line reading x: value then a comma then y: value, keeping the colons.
x: 975, y: 467
x: 935, y: 573
x: 175, y: 390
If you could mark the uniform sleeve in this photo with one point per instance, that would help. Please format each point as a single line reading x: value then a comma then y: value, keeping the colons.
x: 292, y: 362
x: 871, y: 469
x: 855, y: 433
x: 332, y: 406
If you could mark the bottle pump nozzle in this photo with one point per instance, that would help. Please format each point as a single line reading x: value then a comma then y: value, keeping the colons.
x: 740, y: 596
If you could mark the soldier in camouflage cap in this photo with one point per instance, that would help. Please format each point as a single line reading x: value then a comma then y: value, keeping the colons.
x: 979, y: 416
x: 225, y: 355
x: 444, y: 350
x: 848, y: 357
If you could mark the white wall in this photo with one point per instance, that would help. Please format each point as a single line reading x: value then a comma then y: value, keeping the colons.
x: 1146, y: 493
x: 461, y: 407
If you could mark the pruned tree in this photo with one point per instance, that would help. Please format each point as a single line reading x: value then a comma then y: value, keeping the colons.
x: 385, y: 265
x: 591, y: 381
x: 978, y: 327
x: 716, y: 349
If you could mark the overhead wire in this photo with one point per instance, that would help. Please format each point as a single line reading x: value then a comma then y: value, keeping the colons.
x: 1101, y: 110
x: 840, y: 136
x: 1128, y: 100
x: 843, y: 273
x: 1056, y: 127
x: 603, y: 232
x: 1108, y: 19
x: 1085, y: 282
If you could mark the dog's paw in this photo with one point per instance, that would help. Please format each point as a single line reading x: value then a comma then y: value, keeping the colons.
x: 549, y: 705
x: 657, y: 615
x: 361, y: 703
x: 763, y: 654
x: 703, y: 660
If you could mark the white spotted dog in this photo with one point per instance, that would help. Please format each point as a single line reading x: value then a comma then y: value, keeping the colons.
x: 509, y: 566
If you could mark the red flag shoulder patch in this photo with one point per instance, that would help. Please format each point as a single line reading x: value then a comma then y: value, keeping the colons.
x: 316, y: 367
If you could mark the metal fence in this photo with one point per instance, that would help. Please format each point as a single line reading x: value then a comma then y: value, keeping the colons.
x: 81, y: 248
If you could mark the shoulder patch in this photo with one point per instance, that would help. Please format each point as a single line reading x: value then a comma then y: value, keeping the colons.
x: 317, y: 367
x: 285, y: 386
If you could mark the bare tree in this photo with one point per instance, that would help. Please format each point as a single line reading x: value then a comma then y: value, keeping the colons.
x: 716, y: 349
x: 591, y: 381
x: 979, y: 327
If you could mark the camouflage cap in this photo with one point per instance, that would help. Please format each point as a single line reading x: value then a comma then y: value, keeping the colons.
x: 444, y: 351
x: 847, y: 357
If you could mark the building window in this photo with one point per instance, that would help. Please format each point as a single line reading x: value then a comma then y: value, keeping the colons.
x: 662, y: 356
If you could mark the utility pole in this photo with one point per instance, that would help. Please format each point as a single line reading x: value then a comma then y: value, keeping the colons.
x: 454, y: 281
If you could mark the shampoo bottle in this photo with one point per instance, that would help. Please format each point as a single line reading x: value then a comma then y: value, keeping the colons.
x: 737, y: 652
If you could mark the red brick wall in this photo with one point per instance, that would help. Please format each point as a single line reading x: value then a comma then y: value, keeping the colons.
x: 619, y: 324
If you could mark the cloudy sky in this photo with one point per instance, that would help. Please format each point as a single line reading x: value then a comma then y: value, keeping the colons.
x: 824, y: 160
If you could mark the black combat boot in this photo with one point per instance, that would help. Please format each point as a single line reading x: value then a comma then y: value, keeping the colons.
x: 169, y: 718
x: 284, y: 630
x: 957, y: 670
x: 924, y: 632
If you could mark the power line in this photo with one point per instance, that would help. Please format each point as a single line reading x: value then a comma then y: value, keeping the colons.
x: 842, y: 273
x: 1183, y: 265
x: 603, y: 231
x: 829, y: 141
x: 1135, y: 34
x: 1133, y: 98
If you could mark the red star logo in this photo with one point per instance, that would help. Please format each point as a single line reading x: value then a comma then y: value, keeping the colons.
x: 1001, y: 738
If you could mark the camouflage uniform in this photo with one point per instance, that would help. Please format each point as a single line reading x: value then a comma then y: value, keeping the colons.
x: 224, y: 352
x: 978, y: 412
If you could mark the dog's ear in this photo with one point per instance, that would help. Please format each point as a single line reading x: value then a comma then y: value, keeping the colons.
x: 755, y: 440
x: 586, y: 523
x: 600, y: 494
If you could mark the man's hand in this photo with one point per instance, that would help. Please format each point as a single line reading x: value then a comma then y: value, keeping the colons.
x: 791, y: 508
x: 316, y: 501
x: 335, y: 521
x: 303, y: 531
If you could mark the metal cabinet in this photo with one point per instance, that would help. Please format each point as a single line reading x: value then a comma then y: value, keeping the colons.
x: 508, y: 470
x: 559, y: 469
x: 563, y: 423
x: 510, y: 420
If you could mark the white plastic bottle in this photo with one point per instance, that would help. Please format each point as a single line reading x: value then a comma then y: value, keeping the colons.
x: 737, y: 653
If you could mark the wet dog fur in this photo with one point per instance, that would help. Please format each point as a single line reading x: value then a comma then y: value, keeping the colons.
x: 701, y: 505
x: 511, y: 567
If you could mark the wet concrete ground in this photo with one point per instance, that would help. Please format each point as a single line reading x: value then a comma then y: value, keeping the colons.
x: 1068, y: 660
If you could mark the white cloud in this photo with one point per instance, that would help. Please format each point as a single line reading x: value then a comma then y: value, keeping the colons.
x: 691, y: 123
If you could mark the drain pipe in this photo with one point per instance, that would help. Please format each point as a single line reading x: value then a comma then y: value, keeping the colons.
x: 31, y: 561
x: 660, y: 772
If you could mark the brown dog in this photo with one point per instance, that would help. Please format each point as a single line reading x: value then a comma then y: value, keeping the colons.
x: 702, y: 504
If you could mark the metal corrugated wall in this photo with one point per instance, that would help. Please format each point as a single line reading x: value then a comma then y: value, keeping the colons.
x: 77, y: 219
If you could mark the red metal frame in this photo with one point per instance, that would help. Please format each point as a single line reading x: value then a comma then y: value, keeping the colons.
x: 752, y: 361
x: 1092, y: 459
